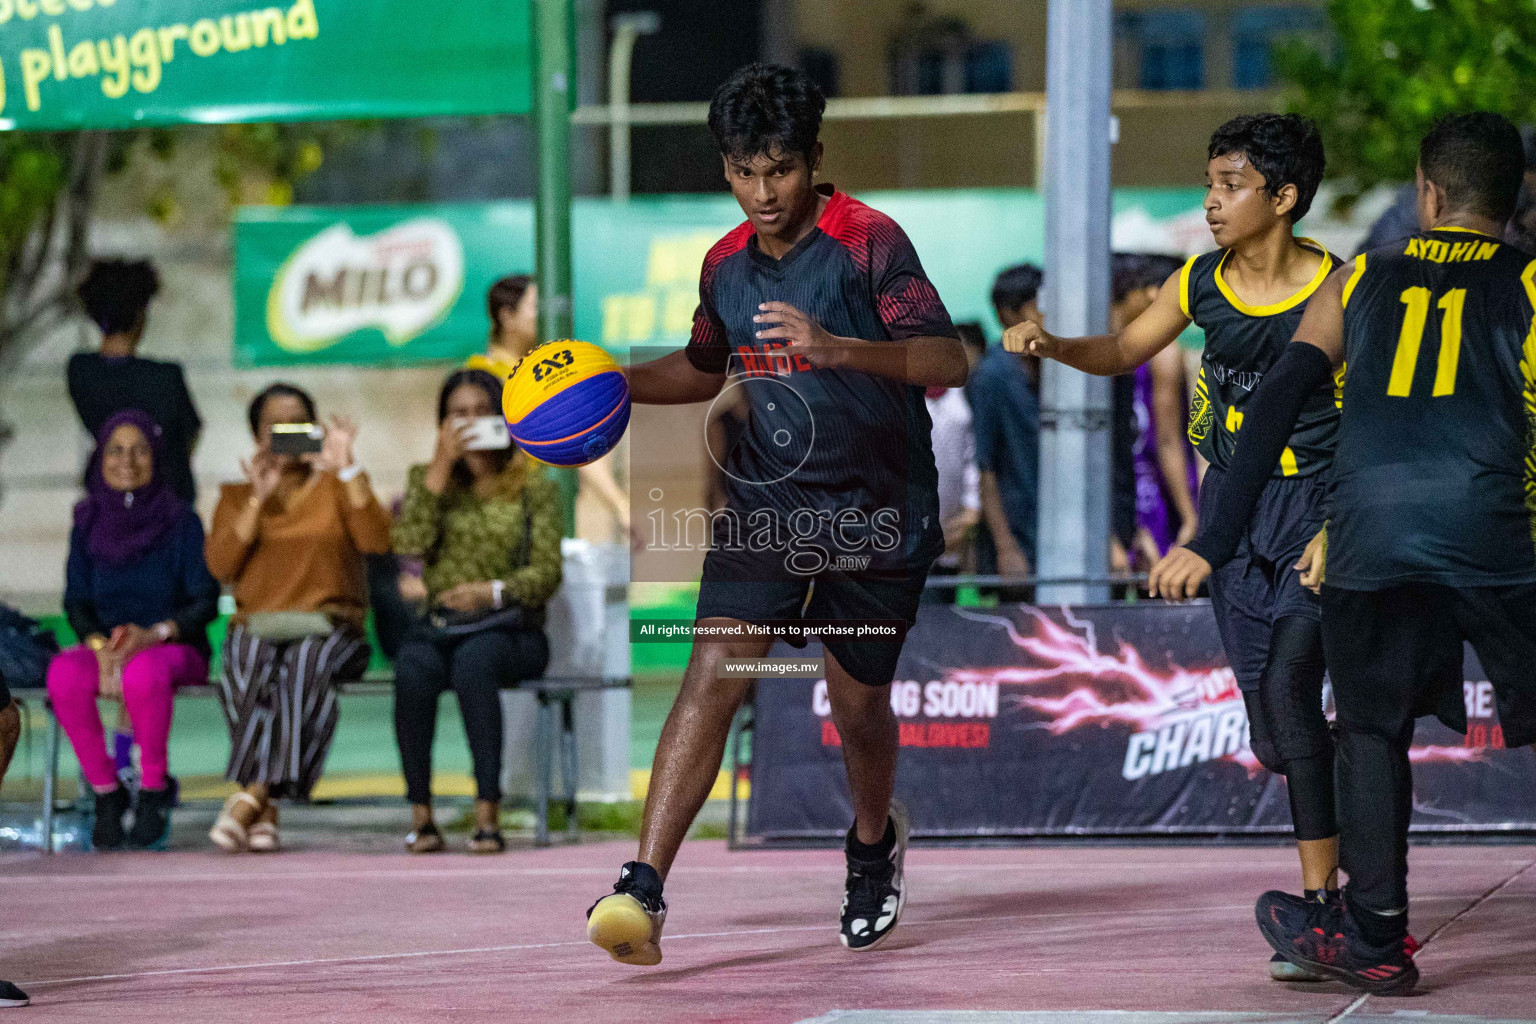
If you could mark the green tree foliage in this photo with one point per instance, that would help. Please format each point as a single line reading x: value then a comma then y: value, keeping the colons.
x: 49, y: 183
x: 1392, y: 67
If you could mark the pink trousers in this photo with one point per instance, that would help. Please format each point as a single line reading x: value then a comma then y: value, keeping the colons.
x: 150, y: 679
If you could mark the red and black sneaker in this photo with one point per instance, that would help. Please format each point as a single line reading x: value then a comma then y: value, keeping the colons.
x: 1321, y: 938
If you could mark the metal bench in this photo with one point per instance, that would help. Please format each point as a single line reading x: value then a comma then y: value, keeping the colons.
x: 553, y: 693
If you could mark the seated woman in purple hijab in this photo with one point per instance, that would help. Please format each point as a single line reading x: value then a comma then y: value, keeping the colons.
x: 140, y: 597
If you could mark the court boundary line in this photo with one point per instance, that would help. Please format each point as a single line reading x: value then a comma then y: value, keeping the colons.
x: 743, y: 869
x: 1432, y: 936
x: 417, y: 954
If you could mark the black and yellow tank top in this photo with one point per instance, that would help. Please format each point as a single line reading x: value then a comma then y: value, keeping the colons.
x: 1435, y: 480
x: 1241, y: 343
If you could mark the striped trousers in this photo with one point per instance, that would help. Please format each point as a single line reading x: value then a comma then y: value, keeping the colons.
x: 279, y: 700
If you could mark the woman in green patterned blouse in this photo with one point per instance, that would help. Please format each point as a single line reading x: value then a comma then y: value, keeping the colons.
x: 487, y: 527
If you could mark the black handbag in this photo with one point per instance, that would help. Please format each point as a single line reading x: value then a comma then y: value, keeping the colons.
x: 448, y: 624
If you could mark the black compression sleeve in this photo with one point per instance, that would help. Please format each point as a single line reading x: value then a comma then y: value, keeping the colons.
x: 1271, y: 416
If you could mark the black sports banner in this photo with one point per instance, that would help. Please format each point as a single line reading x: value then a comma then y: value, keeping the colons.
x: 1106, y: 719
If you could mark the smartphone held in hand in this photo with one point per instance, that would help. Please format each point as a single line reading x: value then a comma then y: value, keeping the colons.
x: 486, y: 434
x: 297, y: 438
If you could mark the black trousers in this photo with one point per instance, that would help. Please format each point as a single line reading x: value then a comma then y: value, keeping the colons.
x: 1394, y: 655
x: 475, y: 667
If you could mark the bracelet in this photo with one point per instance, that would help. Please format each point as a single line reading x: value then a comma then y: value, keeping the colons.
x: 95, y: 642
x: 163, y: 631
x: 349, y: 474
x: 497, y: 590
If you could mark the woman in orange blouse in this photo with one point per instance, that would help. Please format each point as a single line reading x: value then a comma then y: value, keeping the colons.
x: 289, y: 542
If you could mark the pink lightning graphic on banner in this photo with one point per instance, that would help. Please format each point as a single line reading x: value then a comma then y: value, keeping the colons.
x: 1072, y: 685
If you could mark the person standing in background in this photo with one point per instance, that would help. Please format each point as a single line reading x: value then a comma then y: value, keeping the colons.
x: 954, y: 455
x: 116, y: 296
x: 1158, y: 458
x: 1005, y: 404
x: 513, y: 307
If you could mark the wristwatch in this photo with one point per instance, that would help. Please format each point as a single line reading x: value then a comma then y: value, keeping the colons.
x: 162, y: 631
x: 497, y: 587
x: 349, y: 474
x: 96, y: 642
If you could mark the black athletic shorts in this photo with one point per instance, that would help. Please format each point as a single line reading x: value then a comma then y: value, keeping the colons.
x: 756, y: 587
x: 1259, y: 586
x: 1396, y: 654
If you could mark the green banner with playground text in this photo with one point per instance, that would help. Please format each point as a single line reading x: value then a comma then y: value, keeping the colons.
x: 68, y: 64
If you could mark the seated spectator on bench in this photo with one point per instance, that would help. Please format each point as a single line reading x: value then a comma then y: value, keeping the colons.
x: 290, y: 543
x: 140, y: 598
x: 487, y: 526
x: 10, y: 732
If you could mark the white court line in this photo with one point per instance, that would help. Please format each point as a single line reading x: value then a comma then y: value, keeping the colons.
x: 744, y: 869
x: 370, y: 958
x: 1491, y: 894
x: 367, y: 958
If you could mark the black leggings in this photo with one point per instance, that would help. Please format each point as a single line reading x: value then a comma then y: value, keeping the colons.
x: 1287, y: 728
x: 475, y: 667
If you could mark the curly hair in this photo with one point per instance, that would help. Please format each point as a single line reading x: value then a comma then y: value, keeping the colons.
x: 116, y: 293
x: 1285, y: 148
x: 765, y: 109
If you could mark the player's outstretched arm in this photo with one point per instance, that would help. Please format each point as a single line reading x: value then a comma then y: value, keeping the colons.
x: 671, y: 380
x: 1306, y: 365
x: 1108, y: 355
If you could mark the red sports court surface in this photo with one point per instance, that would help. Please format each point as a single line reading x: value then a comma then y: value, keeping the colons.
x: 1052, y: 934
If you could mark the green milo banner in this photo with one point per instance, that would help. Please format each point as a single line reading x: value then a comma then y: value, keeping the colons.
x: 402, y: 284
x: 123, y: 63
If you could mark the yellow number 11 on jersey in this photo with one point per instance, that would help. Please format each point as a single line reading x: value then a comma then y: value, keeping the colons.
x: 1407, y: 358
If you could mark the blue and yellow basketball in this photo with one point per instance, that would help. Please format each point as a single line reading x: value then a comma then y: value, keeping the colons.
x: 567, y: 404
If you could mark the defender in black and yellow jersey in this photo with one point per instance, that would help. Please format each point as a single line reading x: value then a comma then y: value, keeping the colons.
x: 1432, y: 533
x: 1249, y: 295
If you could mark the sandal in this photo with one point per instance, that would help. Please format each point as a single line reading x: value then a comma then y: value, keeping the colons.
x: 425, y: 839
x: 262, y: 836
x: 228, y: 834
x: 488, y: 841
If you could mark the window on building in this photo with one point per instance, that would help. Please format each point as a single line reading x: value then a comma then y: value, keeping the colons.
x: 931, y: 56
x: 822, y: 67
x: 1256, y: 30
x: 1166, y: 48
x: 989, y: 67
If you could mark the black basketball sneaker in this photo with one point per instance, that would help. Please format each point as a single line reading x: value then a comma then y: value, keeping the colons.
x: 1321, y: 937
x: 876, y: 890
x: 1281, y: 969
x: 11, y: 996
x: 628, y: 923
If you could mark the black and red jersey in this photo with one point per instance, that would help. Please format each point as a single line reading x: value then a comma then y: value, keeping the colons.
x: 830, y: 441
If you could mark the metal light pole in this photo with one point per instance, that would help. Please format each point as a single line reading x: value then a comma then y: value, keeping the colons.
x: 553, y: 48
x: 1075, y: 407
x: 627, y: 28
